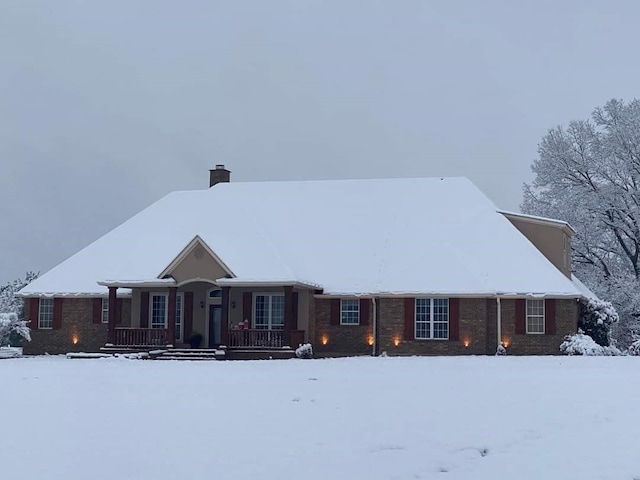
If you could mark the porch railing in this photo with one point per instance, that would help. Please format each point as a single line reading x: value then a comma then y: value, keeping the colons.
x: 140, y: 337
x: 256, y: 338
x: 265, y: 338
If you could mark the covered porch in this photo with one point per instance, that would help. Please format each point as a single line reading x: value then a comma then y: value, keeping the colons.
x: 166, y: 314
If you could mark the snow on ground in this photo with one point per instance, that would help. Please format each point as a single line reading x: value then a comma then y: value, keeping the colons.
x: 357, y: 418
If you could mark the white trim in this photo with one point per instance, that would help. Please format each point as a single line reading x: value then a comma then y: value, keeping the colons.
x: 149, y: 283
x: 195, y: 280
x: 103, y: 310
x: 503, y: 295
x: 187, y: 250
x: 357, y: 301
x: 40, y: 312
x: 126, y: 294
x: 166, y: 308
x: 540, y: 220
x: 527, y: 316
x: 180, y: 329
x: 270, y: 309
x: 239, y: 282
x: 431, y: 320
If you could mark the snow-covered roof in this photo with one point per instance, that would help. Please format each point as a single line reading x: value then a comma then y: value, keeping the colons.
x: 586, y: 291
x: 400, y: 236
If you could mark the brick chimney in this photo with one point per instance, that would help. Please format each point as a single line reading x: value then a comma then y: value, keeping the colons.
x: 219, y: 175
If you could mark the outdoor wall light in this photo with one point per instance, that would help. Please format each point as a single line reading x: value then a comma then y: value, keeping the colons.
x: 74, y: 339
x: 505, y: 342
x: 370, y: 340
x: 396, y: 341
x: 466, y: 343
x: 324, y: 339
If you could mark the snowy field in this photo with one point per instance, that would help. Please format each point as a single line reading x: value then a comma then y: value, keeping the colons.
x: 358, y: 418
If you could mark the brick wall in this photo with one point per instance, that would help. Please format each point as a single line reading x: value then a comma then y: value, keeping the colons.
x: 492, y: 326
x: 76, y: 322
x: 523, y: 344
x: 478, y: 328
x: 473, y: 329
x: 340, y: 339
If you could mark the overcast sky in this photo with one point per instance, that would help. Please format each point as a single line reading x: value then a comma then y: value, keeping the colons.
x: 105, y: 106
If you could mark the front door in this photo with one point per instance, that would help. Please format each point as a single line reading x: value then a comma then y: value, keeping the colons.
x: 215, y: 317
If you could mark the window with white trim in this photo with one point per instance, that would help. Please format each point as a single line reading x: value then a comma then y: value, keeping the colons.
x: 158, y: 310
x: 45, y: 313
x: 432, y: 318
x: 349, y: 312
x: 179, y: 315
x: 105, y: 310
x: 535, y: 316
x: 268, y: 311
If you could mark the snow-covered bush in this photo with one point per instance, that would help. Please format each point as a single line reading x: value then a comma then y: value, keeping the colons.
x: 9, y: 323
x: 304, y: 351
x: 634, y: 348
x: 581, y: 344
x: 596, y: 319
x: 501, y: 350
x: 8, y: 302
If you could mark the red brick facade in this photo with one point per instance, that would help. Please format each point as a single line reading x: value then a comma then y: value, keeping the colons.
x: 476, y: 327
x: 476, y: 335
x: 76, y: 332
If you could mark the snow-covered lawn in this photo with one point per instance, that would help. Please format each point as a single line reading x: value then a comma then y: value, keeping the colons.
x: 358, y: 418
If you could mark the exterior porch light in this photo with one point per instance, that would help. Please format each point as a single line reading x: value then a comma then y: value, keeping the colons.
x: 324, y: 339
x: 396, y: 341
x: 370, y: 340
x: 506, y: 341
x: 466, y: 343
x: 75, y: 339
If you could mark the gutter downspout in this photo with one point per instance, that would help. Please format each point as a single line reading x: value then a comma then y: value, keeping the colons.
x: 499, y: 321
x: 375, y: 327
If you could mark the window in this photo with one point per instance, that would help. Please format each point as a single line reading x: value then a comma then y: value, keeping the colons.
x: 179, y: 316
x: 158, y: 310
x: 268, y: 312
x: 105, y: 310
x: 535, y: 316
x: 432, y: 318
x: 45, y: 313
x: 349, y: 312
x: 215, y: 294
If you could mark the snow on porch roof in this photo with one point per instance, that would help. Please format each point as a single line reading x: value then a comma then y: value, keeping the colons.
x: 349, y: 236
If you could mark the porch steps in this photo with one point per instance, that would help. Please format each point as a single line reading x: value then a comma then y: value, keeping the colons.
x: 222, y: 354
x: 112, y: 349
x: 187, y: 354
x: 170, y: 353
x: 260, y: 354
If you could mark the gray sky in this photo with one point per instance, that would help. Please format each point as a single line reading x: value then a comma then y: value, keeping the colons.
x: 107, y: 106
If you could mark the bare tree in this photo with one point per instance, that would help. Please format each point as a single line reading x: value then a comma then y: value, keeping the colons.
x: 589, y: 174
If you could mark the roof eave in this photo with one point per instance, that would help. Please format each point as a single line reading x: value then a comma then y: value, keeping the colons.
x: 566, y: 226
x: 150, y: 283
x: 238, y: 282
